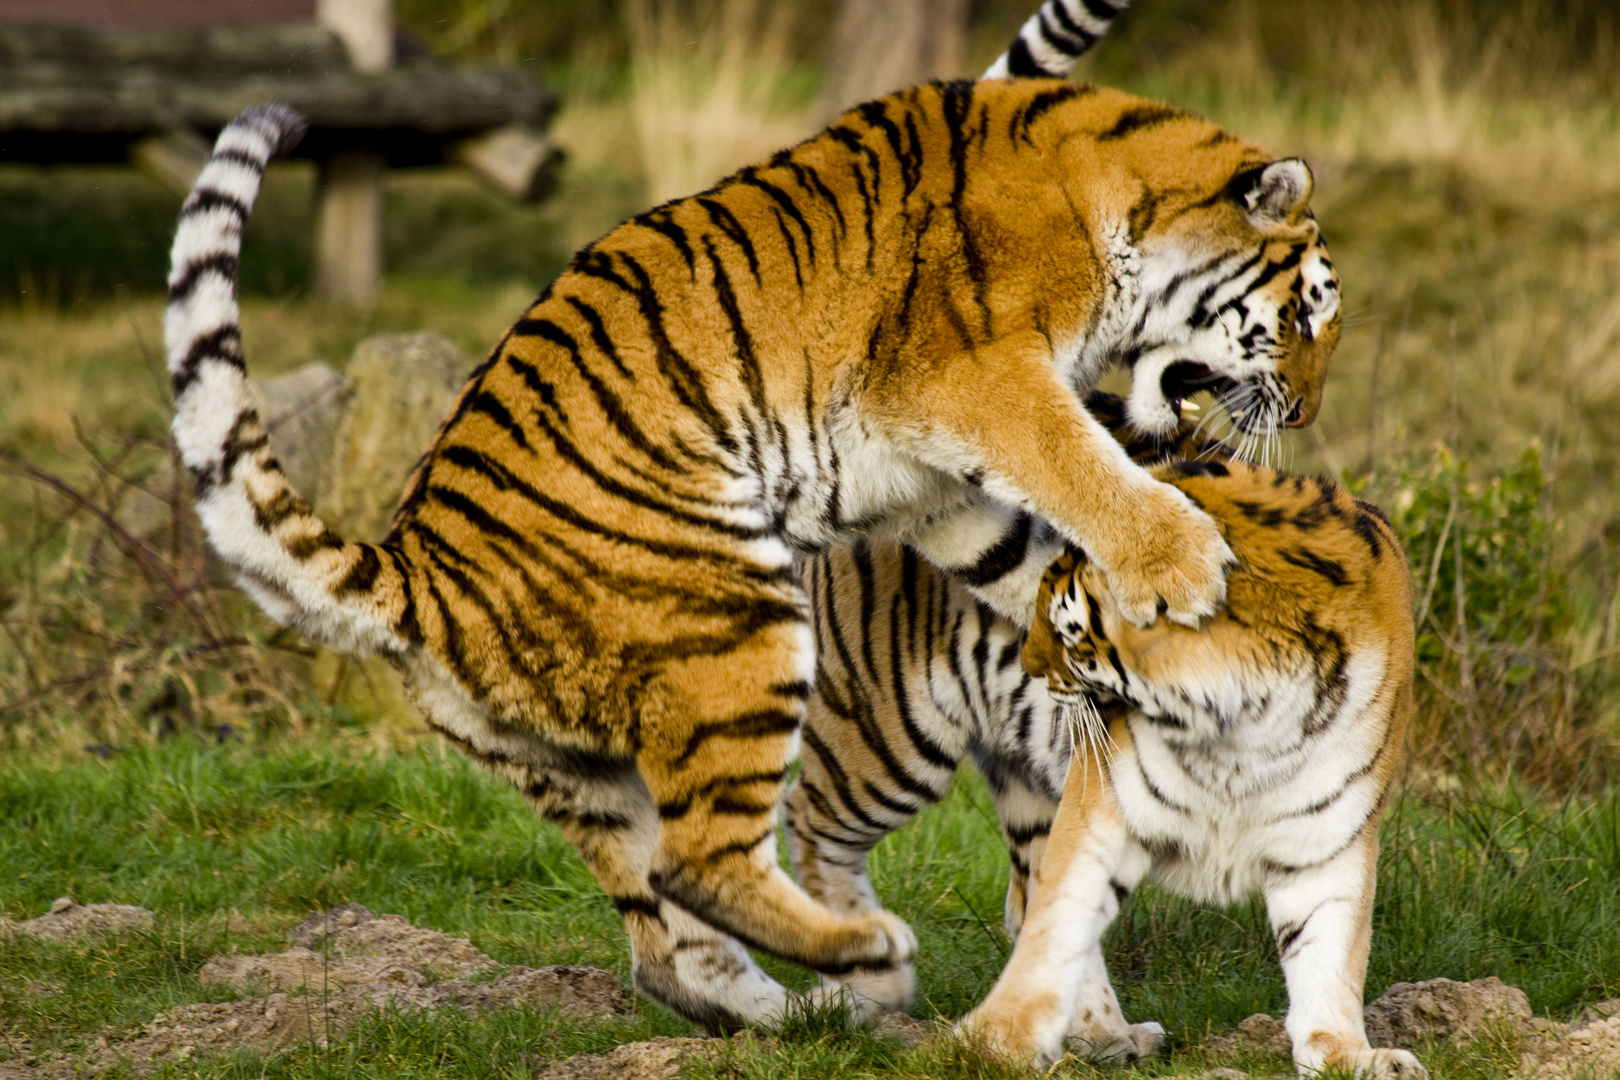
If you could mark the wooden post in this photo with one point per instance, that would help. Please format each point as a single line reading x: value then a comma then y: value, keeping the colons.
x: 348, y: 223
x: 348, y: 227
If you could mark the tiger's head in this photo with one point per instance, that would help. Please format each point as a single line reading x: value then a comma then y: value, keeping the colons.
x: 1066, y: 643
x: 1212, y: 247
x: 1238, y: 297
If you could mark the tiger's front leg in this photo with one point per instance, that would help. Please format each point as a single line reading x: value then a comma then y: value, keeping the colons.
x: 1322, y: 918
x: 1002, y: 418
x: 1090, y: 865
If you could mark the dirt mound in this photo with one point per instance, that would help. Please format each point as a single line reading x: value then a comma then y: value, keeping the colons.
x: 1588, y: 1048
x: 67, y: 920
x: 349, y: 946
x: 655, y: 1059
x: 1442, y: 1008
x: 365, y: 962
x: 1259, y: 1033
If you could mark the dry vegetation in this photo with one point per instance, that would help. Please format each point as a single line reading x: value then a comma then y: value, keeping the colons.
x: 1465, y: 163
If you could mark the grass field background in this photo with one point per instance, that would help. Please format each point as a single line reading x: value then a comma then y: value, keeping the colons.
x: 1465, y: 158
x: 233, y: 844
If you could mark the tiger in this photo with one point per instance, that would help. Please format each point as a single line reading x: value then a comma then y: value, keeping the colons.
x: 1252, y: 754
x: 589, y: 583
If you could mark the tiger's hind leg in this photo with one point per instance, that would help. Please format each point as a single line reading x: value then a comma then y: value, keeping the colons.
x: 681, y: 962
x: 718, y: 730
x: 836, y: 814
x: 1026, y: 822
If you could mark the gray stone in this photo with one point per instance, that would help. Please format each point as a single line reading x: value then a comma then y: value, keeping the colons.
x: 300, y: 410
x: 396, y: 392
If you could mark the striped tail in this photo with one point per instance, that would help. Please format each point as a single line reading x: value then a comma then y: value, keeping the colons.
x: 348, y: 596
x: 1055, y: 37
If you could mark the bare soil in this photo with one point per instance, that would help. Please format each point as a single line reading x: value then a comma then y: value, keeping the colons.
x: 345, y: 963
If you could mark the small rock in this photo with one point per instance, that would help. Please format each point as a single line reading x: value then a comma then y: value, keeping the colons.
x: 1440, y: 1007
x: 1224, y: 1074
x: 655, y: 1059
x: 67, y: 920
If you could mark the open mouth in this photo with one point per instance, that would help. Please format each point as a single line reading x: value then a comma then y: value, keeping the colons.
x: 1184, y: 378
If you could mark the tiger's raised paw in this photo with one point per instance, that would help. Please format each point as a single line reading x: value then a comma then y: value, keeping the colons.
x: 1135, y: 1043
x: 1166, y: 558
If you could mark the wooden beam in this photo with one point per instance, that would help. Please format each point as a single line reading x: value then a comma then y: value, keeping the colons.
x: 174, y: 159
x: 348, y: 227
x: 519, y: 162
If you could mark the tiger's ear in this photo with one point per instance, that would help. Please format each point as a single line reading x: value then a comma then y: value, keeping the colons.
x: 1275, y: 192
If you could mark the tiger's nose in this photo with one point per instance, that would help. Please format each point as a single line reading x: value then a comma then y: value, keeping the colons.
x: 1296, y: 415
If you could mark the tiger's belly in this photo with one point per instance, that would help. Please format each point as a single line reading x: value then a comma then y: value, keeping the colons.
x: 1222, y: 806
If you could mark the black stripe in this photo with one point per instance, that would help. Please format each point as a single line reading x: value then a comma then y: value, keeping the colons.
x: 362, y: 576
x: 220, y: 262
x: 505, y: 480
x: 660, y: 220
x: 487, y: 404
x: 240, y: 157
x: 874, y: 113
x: 1003, y: 557
x: 757, y: 724
x: 727, y: 223
x: 606, y: 400
x: 1139, y: 119
x: 599, y: 334
x: 751, y: 177
x: 840, y: 783
x: 1022, y: 64
x: 1309, y: 560
x: 203, y: 199
x: 406, y: 625
x: 636, y: 905
x: 224, y: 344
x: 683, y: 378
x: 1059, y: 37
x: 1039, y: 105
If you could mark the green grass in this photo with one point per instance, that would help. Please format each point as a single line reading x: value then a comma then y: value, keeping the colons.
x: 232, y: 844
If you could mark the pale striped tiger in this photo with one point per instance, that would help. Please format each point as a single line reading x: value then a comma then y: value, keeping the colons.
x: 589, y: 585
x: 1253, y: 754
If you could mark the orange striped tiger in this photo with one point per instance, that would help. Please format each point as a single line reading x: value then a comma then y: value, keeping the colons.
x: 589, y: 584
x: 1252, y: 754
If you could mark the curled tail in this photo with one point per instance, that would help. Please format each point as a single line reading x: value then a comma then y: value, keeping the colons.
x: 353, y: 597
x: 1055, y: 37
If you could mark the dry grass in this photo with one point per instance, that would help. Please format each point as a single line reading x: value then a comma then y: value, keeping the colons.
x: 712, y: 89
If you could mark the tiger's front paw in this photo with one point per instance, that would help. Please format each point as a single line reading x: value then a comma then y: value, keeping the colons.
x: 879, y: 940
x: 869, y: 994
x: 1166, y: 558
x: 1136, y: 1042
x: 1384, y: 1065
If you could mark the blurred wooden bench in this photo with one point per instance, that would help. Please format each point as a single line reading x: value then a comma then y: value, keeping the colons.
x: 149, y: 81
